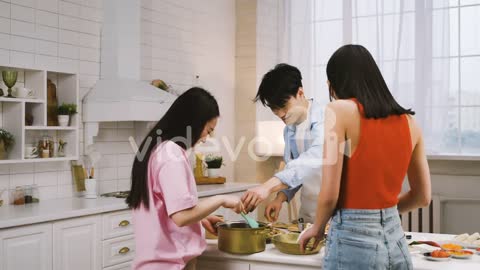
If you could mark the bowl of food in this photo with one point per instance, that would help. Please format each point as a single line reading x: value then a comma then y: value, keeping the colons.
x: 437, y: 255
x: 287, y: 243
x: 461, y: 254
x: 451, y: 247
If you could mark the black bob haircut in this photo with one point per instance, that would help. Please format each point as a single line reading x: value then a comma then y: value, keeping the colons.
x: 278, y: 86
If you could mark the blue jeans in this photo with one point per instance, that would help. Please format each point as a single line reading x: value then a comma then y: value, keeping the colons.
x: 366, y: 239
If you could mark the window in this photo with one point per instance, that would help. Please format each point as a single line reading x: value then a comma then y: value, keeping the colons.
x: 428, y: 52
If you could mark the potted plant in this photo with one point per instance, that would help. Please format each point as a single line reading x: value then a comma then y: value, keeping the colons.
x: 6, y: 142
x: 214, y: 163
x: 65, y: 111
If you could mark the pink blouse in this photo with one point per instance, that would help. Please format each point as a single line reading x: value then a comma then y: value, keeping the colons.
x: 160, y: 243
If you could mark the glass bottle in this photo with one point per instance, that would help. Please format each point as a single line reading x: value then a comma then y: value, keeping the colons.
x: 28, y: 194
x: 18, y: 196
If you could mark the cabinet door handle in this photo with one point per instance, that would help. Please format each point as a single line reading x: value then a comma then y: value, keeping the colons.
x: 124, y: 250
x: 124, y: 223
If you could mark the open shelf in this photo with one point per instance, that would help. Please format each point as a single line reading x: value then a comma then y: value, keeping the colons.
x: 49, y: 128
x: 26, y: 100
x: 36, y: 160
x: 15, y: 112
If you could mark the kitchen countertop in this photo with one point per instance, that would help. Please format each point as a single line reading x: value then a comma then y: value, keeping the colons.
x: 56, y: 209
x: 272, y: 255
x: 210, y: 190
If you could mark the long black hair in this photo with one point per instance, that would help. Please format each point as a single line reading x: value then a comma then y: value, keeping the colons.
x: 353, y: 73
x: 183, y: 122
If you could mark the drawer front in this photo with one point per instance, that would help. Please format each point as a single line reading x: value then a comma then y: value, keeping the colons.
x: 118, y: 250
x: 123, y: 266
x: 117, y: 224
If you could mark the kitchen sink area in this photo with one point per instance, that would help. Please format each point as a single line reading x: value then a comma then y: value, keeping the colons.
x: 116, y: 194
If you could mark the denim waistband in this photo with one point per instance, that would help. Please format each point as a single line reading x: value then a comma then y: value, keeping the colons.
x: 366, y: 215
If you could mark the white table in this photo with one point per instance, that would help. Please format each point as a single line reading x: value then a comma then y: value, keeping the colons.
x: 271, y: 258
x: 419, y: 262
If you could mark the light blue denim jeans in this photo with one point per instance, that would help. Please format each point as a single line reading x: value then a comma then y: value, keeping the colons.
x: 366, y: 239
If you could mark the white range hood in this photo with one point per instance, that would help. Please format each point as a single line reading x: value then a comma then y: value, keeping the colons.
x: 120, y: 95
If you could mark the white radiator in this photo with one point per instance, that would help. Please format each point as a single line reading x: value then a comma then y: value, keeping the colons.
x: 427, y: 219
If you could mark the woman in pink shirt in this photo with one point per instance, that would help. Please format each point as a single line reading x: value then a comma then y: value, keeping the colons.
x: 166, y: 211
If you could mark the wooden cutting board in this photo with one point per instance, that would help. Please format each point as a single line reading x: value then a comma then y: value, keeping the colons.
x: 209, y: 181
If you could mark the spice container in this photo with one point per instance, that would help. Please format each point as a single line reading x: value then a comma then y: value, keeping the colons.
x: 18, y: 196
x: 1, y: 194
x: 35, y: 194
x: 28, y: 194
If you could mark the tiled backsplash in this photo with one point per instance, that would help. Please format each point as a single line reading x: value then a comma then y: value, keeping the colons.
x: 181, y: 39
x: 117, y: 156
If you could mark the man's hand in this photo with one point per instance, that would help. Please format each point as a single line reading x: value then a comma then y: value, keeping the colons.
x: 254, y: 196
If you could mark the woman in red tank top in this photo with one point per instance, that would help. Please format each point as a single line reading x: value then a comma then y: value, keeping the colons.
x: 371, y: 144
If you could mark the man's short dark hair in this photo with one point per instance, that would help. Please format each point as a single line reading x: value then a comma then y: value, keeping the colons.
x: 279, y: 85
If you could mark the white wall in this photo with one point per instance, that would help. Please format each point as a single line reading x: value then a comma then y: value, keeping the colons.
x: 185, y: 39
x: 191, y: 37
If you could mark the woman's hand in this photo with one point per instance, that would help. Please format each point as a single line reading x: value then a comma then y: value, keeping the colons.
x: 209, y: 224
x: 314, y: 232
x: 233, y: 202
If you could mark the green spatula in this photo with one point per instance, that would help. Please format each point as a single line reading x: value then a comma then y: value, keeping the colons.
x: 251, y: 222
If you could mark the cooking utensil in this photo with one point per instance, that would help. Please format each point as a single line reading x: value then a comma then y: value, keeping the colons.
x: 238, y: 237
x: 251, y: 222
x: 430, y: 243
x: 287, y: 243
x: 301, y: 224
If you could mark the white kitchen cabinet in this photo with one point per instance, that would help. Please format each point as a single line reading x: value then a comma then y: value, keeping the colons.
x: 222, y: 265
x: 117, y: 224
x: 271, y: 266
x: 233, y: 264
x: 28, y: 247
x: 76, y: 244
x: 123, y: 266
x: 118, y: 250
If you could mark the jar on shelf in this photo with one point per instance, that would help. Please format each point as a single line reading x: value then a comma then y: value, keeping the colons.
x: 18, y: 196
x: 28, y: 194
x: 35, y: 194
x: 45, y: 146
x: 61, y: 150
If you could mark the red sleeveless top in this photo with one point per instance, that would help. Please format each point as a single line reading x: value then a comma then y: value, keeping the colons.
x: 372, y: 177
